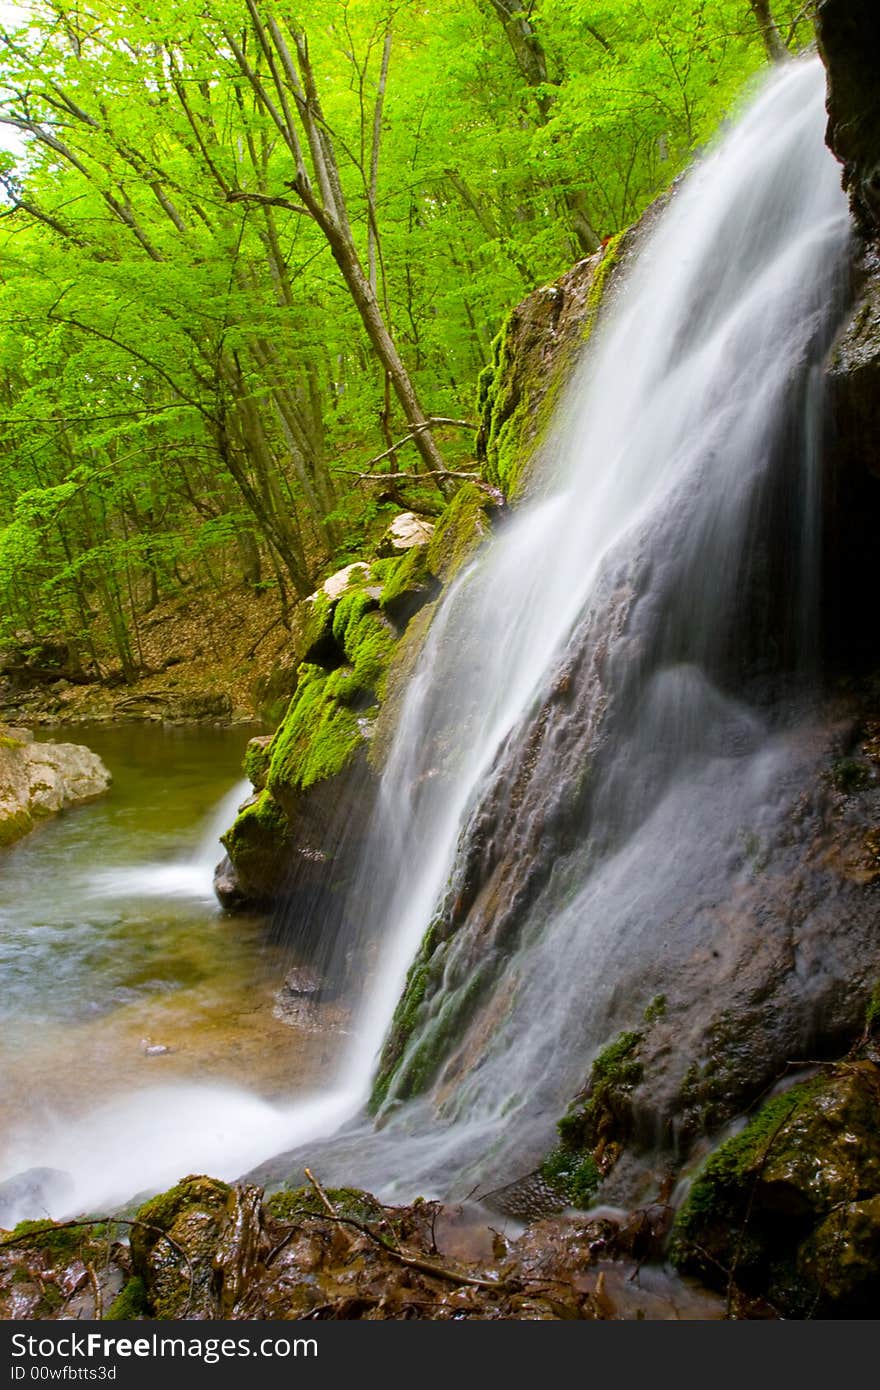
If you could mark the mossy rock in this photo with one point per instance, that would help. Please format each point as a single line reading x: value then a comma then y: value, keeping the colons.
x: 463, y: 526
x: 425, y: 1026
x: 258, y: 844
x: 60, y: 1243
x: 256, y: 760
x: 597, y: 1124
x: 130, y: 1303
x: 177, y: 1272
x: 532, y: 359
x: 291, y: 1204
x: 357, y: 637
x: 407, y: 585
x: 787, y: 1209
x: 14, y: 825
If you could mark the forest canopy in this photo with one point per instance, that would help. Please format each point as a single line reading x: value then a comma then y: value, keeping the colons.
x: 248, y: 249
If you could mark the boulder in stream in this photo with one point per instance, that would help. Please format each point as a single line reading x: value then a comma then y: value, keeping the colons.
x: 39, y: 779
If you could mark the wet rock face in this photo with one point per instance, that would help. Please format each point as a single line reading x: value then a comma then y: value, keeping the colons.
x: 849, y: 41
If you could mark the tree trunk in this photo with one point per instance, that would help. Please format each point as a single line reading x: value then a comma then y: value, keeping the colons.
x: 776, y: 49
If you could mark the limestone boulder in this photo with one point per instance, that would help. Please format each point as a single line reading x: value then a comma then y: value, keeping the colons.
x: 40, y: 779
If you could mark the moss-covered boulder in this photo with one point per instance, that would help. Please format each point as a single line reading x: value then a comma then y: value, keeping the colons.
x: 300, y: 837
x: 532, y: 359
x: 173, y: 1245
x: 789, y: 1208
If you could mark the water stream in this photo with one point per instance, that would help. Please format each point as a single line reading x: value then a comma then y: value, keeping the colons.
x: 131, y: 1005
x: 608, y: 700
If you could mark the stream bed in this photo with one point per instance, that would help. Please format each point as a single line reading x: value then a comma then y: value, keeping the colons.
x: 124, y: 986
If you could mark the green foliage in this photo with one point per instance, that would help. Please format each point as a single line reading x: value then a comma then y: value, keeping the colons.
x: 188, y: 387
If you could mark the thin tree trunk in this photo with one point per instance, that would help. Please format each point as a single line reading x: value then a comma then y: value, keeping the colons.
x: 772, y: 39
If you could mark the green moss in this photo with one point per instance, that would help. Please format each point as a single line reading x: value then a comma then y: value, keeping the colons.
x: 256, y: 842
x: 256, y: 763
x: 656, y: 1009
x: 129, y: 1303
x: 720, y: 1193
x: 163, y: 1210
x: 292, y: 1203
x: 369, y: 646
x: 407, y: 582
x: 7, y: 742
x: 575, y: 1175
x: 599, y: 283
x: 518, y: 390
x: 318, y: 735
x: 614, y: 1072
x: 872, y: 1012
x: 504, y: 398
x: 458, y: 532
x: 13, y: 826
x: 592, y: 1131
x: 417, y: 1043
x: 63, y: 1243
x: 178, y: 1273
x: 616, y: 1065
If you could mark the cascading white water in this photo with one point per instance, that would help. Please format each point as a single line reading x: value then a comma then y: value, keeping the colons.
x: 628, y: 573
x: 189, y: 877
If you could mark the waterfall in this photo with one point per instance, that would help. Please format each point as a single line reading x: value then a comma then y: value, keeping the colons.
x: 604, y: 718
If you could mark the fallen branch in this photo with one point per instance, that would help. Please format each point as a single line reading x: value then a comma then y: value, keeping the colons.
x: 96, y: 1293
x: 414, y: 432
x: 454, y: 1276
x: 407, y: 477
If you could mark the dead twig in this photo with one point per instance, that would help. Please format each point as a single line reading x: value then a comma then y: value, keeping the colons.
x: 454, y: 1276
x: 407, y: 477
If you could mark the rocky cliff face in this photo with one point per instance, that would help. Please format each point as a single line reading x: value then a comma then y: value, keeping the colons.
x: 849, y: 40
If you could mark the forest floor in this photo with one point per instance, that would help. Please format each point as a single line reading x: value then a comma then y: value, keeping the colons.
x: 205, y: 653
